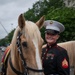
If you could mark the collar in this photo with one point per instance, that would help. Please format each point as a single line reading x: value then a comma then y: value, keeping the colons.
x: 53, y: 45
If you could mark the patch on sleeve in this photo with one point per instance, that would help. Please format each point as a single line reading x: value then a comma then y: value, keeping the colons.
x: 65, y: 63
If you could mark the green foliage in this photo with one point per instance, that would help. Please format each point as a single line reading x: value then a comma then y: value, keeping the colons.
x: 2, y: 42
x: 10, y: 35
x: 29, y: 15
x: 43, y: 7
x: 53, y: 10
x: 42, y: 30
x: 7, y: 40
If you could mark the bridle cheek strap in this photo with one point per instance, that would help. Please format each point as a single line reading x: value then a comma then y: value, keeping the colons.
x: 16, y: 71
x: 24, y: 73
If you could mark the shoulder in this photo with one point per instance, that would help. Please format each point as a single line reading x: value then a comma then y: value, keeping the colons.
x: 44, y: 46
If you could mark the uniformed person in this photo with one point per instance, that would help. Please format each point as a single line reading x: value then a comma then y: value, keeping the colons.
x: 54, y: 58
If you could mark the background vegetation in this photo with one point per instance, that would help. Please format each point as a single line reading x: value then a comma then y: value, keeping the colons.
x: 53, y: 10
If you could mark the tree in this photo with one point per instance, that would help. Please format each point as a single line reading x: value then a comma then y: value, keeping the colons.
x: 53, y: 10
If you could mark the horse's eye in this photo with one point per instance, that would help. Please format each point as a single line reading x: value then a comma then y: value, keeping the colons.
x: 24, y: 44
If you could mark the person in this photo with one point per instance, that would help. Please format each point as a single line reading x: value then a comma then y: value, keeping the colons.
x: 55, y: 59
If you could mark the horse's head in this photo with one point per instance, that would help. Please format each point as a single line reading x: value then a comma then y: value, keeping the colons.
x: 29, y: 45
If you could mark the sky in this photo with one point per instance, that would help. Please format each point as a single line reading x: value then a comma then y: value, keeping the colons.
x: 9, y: 13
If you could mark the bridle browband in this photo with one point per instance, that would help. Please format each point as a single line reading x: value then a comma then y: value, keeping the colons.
x: 26, y: 68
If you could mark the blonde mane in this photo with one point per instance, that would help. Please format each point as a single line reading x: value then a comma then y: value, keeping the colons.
x: 31, y: 30
x: 13, y: 42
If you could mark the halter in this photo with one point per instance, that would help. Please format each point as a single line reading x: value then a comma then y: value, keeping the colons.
x: 26, y: 68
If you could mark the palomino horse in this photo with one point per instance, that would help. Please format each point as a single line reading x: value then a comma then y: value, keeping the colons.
x: 26, y: 47
x: 70, y: 47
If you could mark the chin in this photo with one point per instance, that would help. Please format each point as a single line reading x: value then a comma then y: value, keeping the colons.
x: 50, y: 41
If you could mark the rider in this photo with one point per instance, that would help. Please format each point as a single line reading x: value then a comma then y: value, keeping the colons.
x: 55, y: 58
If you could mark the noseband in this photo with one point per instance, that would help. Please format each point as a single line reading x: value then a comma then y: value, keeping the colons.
x: 26, y: 68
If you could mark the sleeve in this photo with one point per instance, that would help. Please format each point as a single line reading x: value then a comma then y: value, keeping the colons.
x: 63, y: 66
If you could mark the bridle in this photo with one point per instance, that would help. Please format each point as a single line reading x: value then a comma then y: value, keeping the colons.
x: 26, y: 68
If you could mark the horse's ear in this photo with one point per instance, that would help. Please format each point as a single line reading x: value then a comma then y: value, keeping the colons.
x: 21, y: 21
x: 40, y: 22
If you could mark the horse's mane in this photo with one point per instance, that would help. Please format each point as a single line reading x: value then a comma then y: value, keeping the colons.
x: 30, y: 31
x: 13, y: 43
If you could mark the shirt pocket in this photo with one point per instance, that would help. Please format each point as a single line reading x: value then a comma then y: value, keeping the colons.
x: 50, y: 57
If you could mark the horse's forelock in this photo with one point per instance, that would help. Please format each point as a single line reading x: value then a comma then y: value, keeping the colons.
x: 31, y: 31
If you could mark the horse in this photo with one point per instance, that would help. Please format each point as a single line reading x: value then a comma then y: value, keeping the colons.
x: 26, y: 48
x: 70, y: 47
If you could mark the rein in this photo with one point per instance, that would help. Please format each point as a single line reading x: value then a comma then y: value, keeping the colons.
x: 26, y: 68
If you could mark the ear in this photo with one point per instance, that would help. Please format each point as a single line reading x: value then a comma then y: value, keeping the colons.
x: 21, y: 21
x: 40, y: 22
x: 58, y: 36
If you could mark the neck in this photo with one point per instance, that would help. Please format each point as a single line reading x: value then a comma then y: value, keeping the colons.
x: 50, y: 44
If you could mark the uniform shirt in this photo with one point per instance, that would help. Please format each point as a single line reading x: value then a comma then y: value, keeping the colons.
x: 55, y: 60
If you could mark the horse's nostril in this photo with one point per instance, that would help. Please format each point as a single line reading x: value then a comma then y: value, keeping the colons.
x: 24, y: 44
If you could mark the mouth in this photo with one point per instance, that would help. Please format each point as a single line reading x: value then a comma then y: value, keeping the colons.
x: 49, y: 38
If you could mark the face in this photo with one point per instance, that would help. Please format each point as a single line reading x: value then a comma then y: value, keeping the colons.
x: 51, y: 38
